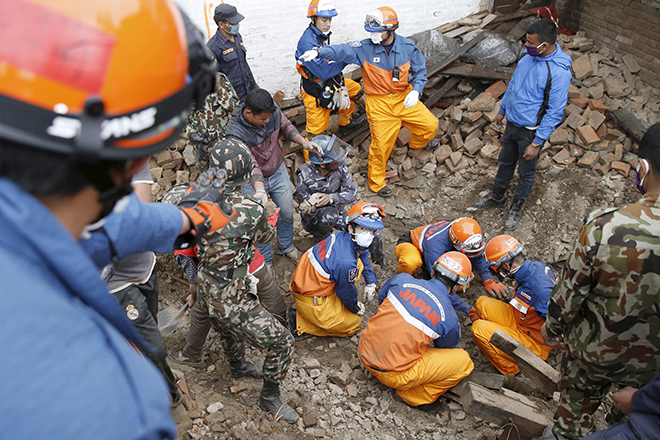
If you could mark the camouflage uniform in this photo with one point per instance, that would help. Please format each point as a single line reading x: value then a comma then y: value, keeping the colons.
x: 223, y: 283
x: 606, y: 309
x: 210, y: 122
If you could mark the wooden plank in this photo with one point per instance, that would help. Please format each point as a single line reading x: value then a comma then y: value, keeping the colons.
x: 630, y: 122
x: 502, y: 409
x: 460, y: 31
x: 496, y: 89
x: 532, y: 366
x: 476, y: 71
x: 448, y: 27
x: 446, y: 61
x: 508, y: 17
x: 451, y: 82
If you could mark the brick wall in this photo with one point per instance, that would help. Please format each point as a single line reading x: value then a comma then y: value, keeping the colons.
x: 627, y: 26
x: 271, y: 29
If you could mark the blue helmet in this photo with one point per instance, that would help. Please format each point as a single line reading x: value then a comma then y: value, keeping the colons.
x: 321, y: 8
x: 366, y: 214
x: 334, y: 150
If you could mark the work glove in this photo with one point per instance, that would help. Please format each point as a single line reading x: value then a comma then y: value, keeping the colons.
x: 411, y: 99
x: 309, y: 55
x: 370, y: 291
x: 205, y: 206
x: 473, y: 314
x: 272, y: 220
x: 361, y: 308
x: 262, y: 196
x: 345, y: 99
x: 495, y: 289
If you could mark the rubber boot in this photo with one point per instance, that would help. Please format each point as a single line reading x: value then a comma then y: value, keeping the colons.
x: 495, y: 198
x: 245, y: 369
x: 271, y: 401
x: 515, y: 212
x: 357, y: 123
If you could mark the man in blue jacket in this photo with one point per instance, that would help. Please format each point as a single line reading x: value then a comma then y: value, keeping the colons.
x: 533, y: 105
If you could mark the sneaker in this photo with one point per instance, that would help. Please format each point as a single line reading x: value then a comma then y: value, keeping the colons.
x: 385, y: 191
x: 293, y: 255
x: 180, y: 358
x: 515, y: 212
x: 346, y: 129
x: 490, y: 201
x: 432, y: 145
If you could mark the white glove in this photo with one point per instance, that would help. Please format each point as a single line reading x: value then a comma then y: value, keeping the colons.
x: 309, y: 55
x: 262, y: 196
x: 252, y: 283
x: 345, y: 101
x: 411, y: 99
x: 369, y: 291
x: 360, y: 308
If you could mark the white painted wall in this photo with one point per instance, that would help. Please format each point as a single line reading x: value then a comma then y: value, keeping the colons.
x: 271, y: 29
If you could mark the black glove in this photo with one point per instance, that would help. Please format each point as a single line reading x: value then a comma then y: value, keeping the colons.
x: 205, y: 206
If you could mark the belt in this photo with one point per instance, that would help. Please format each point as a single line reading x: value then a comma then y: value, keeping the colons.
x: 316, y: 300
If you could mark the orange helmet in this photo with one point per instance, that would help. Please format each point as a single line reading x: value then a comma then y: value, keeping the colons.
x: 381, y: 19
x: 502, y: 249
x: 99, y: 80
x: 321, y: 8
x: 456, y: 267
x: 466, y: 235
x: 366, y: 214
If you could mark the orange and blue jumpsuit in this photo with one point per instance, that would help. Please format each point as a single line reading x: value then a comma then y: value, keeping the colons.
x: 395, y: 344
x: 385, y: 96
x: 323, y: 286
x: 522, y: 318
x: 322, y: 70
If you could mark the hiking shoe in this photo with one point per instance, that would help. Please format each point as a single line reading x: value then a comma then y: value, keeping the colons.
x: 245, y: 369
x: 346, y: 129
x: 384, y: 192
x: 490, y: 201
x: 432, y: 145
x: 180, y: 358
x: 292, y: 325
x: 293, y: 255
x: 515, y: 212
x: 271, y: 401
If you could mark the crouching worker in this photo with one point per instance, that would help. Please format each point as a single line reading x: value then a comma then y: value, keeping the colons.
x: 523, y: 317
x: 323, y: 283
x: 412, y: 314
x: 324, y: 188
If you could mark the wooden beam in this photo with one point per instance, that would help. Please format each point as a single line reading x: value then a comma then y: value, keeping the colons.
x: 630, y: 122
x: 435, y: 97
x: 460, y: 31
x: 532, y: 366
x: 446, y: 61
x: 477, y: 71
x: 447, y: 27
x: 501, y: 409
x: 513, y: 16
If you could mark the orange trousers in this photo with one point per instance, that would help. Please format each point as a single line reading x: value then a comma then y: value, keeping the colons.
x: 498, y: 315
x: 386, y: 113
x: 318, y: 118
x: 436, y: 371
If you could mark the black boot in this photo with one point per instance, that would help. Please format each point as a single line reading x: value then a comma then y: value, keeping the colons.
x: 345, y: 129
x: 432, y: 145
x: 245, y: 369
x: 496, y: 198
x: 271, y: 401
x: 515, y: 211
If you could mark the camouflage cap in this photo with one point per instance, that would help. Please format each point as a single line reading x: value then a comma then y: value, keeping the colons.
x: 234, y: 157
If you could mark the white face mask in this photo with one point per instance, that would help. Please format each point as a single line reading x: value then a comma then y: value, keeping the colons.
x: 364, y: 239
x: 376, y: 37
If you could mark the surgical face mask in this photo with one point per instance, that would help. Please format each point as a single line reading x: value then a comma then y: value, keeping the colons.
x: 234, y: 29
x: 376, y: 37
x: 533, y: 51
x: 364, y: 239
x: 639, y: 181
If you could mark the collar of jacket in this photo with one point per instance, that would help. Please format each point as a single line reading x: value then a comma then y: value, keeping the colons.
x: 524, y: 272
x: 322, y: 38
x: 224, y: 40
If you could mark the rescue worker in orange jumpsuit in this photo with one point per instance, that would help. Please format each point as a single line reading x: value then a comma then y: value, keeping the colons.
x: 321, y: 77
x: 413, y: 314
x: 524, y: 316
x: 423, y: 245
x: 393, y: 74
x: 323, y: 283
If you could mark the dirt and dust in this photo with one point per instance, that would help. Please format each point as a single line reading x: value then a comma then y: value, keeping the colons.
x: 354, y: 405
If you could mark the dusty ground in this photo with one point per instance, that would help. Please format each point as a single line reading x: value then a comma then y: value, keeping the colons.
x: 552, y: 217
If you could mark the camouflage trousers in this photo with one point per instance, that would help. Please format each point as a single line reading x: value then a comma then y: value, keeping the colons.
x: 241, y: 319
x: 583, y: 386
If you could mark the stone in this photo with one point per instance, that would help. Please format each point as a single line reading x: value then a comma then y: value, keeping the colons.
x: 404, y: 136
x: 457, y: 114
x: 182, y: 176
x: 482, y: 103
x: 339, y: 378
x: 189, y: 155
x: 473, y: 146
x: 429, y: 168
x: 460, y: 416
x: 573, y: 92
x: 371, y: 400
x: 575, y: 150
x: 442, y: 153
x: 335, y: 389
x: 579, y: 101
x: 582, y: 67
x: 630, y: 63
x: 596, y: 105
x: 309, y: 363
x: 564, y: 157
x: 354, y: 363
x: 559, y: 137
x: 156, y: 173
x: 238, y: 388
x: 621, y: 167
x: 596, y: 119
x: 587, y: 134
x: 407, y: 164
x: 456, y: 141
x: 352, y: 390
x: 319, y: 433
x: 602, y: 130
x: 614, y: 86
x: 163, y: 157
x: 572, y: 108
x: 490, y: 151
x: 589, y: 159
x: 214, y: 407
x: 574, y: 121
x: 596, y: 92
x: 310, y: 418
x: 177, y: 158
x: 472, y: 117
x: 618, y: 151
x: 314, y: 373
x: 455, y: 157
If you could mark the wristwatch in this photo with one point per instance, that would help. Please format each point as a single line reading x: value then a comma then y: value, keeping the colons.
x: 534, y: 144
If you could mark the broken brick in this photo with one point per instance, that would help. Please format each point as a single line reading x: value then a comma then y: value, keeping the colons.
x: 564, y: 157
x: 587, y: 134
x: 618, y: 151
x: 596, y: 119
x: 455, y: 157
x: 589, y: 159
x: 497, y: 89
x: 621, y: 167
x: 456, y: 141
x: 596, y: 105
x: 582, y: 67
x: 404, y: 136
x: 579, y: 101
x: 442, y: 153
x: 559, y: 137
x: 473, y: 146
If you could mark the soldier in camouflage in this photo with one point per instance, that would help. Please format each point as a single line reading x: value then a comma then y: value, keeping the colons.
x: 207, y: 125
x: 605, y: 306
x: 231, y: 293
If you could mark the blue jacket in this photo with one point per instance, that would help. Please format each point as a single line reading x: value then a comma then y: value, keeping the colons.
x: 645, y: 416
x: 534, y: 283
x: 232, y: 62
x: 68, y: 369
x: 321, y: 68
x: 524, y: 95
x: 377, y: 65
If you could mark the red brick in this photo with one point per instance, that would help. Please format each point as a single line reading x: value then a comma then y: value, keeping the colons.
x: 621, y: 167
x: 596, y: 105
x: 587, y: 134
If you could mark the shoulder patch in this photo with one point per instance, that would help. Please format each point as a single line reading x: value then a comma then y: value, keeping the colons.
x: 355, y: 43
x: 352, y: 275
x: 598, y: 213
